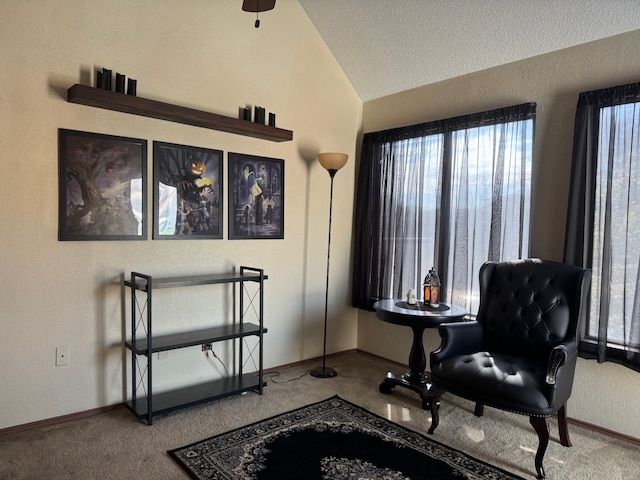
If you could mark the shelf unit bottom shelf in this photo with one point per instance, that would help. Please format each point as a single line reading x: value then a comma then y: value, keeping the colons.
x: 172, y: 400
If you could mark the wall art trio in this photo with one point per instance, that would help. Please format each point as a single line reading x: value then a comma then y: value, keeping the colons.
x: 103, y: 191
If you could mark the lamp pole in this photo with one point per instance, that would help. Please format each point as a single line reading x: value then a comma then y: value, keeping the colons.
x: 332, y: 162
x: 324, y: 371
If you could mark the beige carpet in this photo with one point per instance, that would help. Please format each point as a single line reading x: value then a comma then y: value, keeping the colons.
x: 115, y: 445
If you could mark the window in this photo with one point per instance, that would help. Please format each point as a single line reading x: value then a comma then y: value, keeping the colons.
x: 450, y: 194
x: 603, y: 226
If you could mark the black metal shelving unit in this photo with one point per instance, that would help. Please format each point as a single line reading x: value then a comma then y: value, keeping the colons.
x: 145, y: 404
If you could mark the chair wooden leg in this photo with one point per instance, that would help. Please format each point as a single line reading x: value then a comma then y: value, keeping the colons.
x: 433, y: 396
x: 563, y: 426
x: 541, y: 426
x: 479, y: 411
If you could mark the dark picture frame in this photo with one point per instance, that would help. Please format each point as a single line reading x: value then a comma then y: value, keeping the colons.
x: 187, y: 192
x: 102, y: 187
x: 256, y: 197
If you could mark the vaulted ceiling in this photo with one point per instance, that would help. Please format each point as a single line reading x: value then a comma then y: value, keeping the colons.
x: 388, y: 46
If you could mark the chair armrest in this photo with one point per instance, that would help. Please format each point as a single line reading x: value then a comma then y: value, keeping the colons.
x: 458, y: 338
x: 559, y: 356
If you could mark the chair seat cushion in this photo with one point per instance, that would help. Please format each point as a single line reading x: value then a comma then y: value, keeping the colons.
x: 496, y: 379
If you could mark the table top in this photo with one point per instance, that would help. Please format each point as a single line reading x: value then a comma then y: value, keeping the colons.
x: 399, y: 312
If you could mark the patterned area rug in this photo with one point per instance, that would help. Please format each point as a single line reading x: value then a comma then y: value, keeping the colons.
x: 330, y: 440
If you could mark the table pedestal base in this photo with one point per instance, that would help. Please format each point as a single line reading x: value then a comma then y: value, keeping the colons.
x: 419, y: 383
x: 418, y: 317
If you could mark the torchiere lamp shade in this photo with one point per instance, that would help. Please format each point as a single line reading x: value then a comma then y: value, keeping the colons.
x: 333, y: 160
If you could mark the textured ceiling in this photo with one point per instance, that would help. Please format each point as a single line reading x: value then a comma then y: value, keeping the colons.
x: 388, y: 46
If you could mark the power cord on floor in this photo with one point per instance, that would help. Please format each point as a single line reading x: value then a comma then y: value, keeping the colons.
x: 277, y: 374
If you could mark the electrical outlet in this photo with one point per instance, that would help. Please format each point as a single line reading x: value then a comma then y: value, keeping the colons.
x: 62, y: 356
x: 207, y: 347
x: 163, y: 354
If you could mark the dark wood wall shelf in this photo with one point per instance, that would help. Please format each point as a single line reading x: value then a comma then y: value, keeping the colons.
x: 119, y: 102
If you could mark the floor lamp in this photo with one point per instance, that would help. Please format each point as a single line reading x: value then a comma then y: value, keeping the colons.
x: 332, y: 162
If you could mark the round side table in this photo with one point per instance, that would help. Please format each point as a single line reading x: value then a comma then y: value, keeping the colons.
x: 418, y: 317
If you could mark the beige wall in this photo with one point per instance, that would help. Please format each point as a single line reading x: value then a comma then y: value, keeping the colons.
x: 202, y: 54
x: 605, y: 395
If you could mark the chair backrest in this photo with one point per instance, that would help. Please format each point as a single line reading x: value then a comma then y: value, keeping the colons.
x: 529, y: 306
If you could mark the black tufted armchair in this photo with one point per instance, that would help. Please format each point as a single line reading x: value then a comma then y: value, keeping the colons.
x: 520, y: 354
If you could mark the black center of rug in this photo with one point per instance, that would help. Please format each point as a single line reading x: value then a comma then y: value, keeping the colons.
x: 334, y: 455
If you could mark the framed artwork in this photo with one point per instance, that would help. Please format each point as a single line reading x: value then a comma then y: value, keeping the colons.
x: 256, y: 197
x: 102, y: 187
x: 187, y: 192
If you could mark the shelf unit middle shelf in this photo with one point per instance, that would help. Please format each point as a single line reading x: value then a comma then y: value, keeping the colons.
x: 196, y: 337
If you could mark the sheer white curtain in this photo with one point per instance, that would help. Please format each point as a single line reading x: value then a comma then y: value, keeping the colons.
x: 450, y: 194
x: 490, y: 203
x: 411, y: 177
x: 603, y: 220
x: 616, y: 249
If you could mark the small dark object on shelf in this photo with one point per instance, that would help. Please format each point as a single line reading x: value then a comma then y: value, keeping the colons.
x: 258, y: 116
x: 132, y: 86
x: 120, y: 83
x: 99, y: 79
x: 107, y: 78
